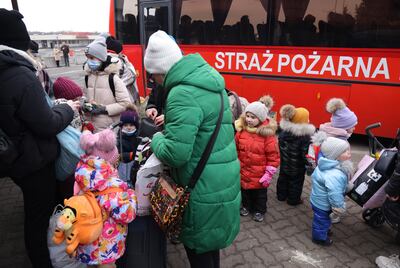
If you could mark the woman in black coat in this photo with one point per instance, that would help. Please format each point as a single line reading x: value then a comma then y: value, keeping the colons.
x: 27, y: 120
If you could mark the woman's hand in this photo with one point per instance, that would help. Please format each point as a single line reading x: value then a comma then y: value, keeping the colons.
x: 75, y: 105
x: 159, y: 120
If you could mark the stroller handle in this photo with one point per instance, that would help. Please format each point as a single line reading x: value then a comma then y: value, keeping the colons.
x: 372, y: 126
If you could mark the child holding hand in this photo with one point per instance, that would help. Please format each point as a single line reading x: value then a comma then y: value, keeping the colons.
x: 258, y: 153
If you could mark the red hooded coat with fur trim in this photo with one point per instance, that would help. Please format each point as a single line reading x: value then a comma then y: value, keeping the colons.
x: 257, y: 149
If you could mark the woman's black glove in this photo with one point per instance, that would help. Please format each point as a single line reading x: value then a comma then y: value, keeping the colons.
x: 98, y: 109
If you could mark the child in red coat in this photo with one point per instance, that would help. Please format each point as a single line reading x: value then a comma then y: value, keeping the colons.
x: 258, y: 153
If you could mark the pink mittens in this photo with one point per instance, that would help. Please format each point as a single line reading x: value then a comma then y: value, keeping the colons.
x: 267, y: 177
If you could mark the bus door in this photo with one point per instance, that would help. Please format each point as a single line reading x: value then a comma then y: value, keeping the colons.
x: 154, y: 16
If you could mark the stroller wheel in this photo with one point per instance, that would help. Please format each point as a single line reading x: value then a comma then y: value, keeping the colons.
x: 373, y: 217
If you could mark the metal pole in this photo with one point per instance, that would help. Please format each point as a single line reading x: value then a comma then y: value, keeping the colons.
x: 15, y: 4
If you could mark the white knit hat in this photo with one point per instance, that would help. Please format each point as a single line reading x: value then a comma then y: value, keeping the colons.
x: 332, y: 147
x: 97, y: 49
x: 161, y: 53
x: 258, y: 109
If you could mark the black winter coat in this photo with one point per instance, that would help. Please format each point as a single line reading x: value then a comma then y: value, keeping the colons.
x: 26, y: 117
x: 129, y: 145
x: 393, y: 186
x: 294, y: 140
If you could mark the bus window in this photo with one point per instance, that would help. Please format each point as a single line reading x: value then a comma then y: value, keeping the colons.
x: 154, y: 19
x: 127, y: 29
x: 337, y: 23
x: 230, y: 22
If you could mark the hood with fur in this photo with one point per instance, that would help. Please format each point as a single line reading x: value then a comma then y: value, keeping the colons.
x: 297, y: 129
x: 267, y: 128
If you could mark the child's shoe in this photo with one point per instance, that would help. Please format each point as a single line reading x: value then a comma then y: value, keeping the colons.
x: 335, y: 218
x: 324, y: 243
x: 244, y: 211
x: 258, y: 217
x: 388, y: 262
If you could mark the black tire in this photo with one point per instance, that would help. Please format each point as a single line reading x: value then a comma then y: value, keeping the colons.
x: 374, y: 217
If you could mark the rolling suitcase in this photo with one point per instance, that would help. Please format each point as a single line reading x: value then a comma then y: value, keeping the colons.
x: 146, y: 245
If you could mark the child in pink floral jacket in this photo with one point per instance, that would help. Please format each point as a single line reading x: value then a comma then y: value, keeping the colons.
x: 96, y: 173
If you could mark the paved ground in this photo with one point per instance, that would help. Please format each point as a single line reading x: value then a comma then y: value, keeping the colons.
x: 283, y: 240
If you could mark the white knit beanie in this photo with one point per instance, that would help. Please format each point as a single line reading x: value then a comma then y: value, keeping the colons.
x: 332, y: 147
x: 258, y: 109
x: 162, y: 53
x: 97, y: 49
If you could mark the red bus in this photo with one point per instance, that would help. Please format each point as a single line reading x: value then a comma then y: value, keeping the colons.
x: 302, y: 52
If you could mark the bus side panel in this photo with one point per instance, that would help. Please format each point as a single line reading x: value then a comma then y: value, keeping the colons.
x: 234, y: 83
x: 312, y: 96
x: 376, y: 104
x: 135, y: 55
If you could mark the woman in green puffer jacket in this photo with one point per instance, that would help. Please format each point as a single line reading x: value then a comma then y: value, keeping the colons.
x: 211, y: 220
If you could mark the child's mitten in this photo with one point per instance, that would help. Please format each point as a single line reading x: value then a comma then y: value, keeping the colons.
x: 338, y: 211
x: 267, y: 177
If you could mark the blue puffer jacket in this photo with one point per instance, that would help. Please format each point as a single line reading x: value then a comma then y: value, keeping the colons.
x: 328, y: 185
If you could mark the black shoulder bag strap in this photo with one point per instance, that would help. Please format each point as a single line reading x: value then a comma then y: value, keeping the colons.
x: 207, y: 151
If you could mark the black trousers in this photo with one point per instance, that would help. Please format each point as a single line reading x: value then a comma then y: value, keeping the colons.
x: 208, y: 259
x: 39, y: 191
x: 255, y: 200
x: 290, y: 187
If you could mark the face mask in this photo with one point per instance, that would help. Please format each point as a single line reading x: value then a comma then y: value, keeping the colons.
x: 129, y: 133
x: 94, y: 65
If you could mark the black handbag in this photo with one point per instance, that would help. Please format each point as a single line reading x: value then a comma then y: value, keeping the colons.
x: 8, y: 151
x: 147, y: 128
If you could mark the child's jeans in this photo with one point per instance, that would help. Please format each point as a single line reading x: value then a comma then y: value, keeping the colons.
x: 321, y: 224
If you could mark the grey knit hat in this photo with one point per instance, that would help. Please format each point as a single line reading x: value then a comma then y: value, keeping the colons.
x: 258, y: 109
x: 97, y: 49
x: 332, y: 147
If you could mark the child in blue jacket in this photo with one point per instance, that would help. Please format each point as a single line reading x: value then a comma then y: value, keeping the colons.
x: 329, y: 182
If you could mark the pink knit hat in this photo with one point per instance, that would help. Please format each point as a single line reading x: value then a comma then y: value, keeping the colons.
x: 66, y: 89
x: 102, y: 144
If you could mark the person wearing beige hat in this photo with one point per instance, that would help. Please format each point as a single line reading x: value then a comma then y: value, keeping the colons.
x: 193, y: 91
x: 294, y: 139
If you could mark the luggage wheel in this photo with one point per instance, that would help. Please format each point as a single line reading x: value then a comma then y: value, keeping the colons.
x: 373, y: 217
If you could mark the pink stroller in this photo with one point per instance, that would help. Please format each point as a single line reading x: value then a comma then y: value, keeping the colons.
x: 373, y: 173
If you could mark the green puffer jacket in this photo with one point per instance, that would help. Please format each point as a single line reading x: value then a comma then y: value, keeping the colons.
x: 211, y: 220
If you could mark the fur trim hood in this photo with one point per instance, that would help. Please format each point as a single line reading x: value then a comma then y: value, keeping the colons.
x: 335, y: 104
x: 297, y: 129
x: 267, y: 128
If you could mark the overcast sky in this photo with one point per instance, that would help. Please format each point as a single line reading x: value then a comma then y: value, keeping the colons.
x: 63, y: 15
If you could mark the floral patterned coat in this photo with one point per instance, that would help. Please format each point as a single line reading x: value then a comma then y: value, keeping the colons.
x: 119, y: 208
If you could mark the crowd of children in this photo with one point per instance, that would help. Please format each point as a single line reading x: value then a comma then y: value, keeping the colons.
x: 293, y: 148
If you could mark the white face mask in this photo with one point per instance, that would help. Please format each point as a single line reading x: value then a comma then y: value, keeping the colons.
x: 129, y: 133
